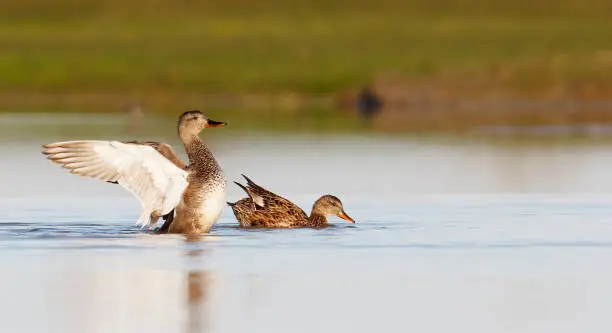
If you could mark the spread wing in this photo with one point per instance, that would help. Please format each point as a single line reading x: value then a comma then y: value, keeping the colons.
x: 164, y: 149
x: 156, y: 181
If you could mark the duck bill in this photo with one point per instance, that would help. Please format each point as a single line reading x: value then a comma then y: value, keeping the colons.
x: 345, y: 216
x: 214, y: 123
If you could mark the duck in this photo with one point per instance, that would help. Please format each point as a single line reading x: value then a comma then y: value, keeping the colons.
x: 264, y: 209
x: 189, y: 197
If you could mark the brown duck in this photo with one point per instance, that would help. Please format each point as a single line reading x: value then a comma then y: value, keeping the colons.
x: 189, y: 197
x: 264, y: 209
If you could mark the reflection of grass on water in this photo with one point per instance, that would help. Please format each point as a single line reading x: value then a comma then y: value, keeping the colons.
x: 66, y: 126
x: 34, y: 128
x: 94, y: 55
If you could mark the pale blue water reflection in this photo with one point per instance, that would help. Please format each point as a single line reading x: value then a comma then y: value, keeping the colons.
x: 450, y: 236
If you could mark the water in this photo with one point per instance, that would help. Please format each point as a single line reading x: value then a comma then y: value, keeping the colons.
x: 462, y: 236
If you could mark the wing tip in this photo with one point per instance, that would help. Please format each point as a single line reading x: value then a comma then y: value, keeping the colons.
x: 249, y: 181
x: 57, y: 144
x: 52, y: 145
x: 242, y: 187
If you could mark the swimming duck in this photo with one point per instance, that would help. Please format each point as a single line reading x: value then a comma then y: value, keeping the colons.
x: 264, y: 209
x: 189, y: 197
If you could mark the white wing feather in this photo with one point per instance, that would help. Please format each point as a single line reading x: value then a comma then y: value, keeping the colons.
x: 158, y: 183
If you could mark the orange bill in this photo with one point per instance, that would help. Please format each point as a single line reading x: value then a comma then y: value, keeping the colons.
x: 345, y: 216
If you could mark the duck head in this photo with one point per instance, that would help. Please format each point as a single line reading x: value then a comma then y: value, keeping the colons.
x: 190, y: 123
x: 331, y: 205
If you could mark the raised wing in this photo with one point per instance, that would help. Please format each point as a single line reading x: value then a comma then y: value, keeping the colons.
x: 164, y: 149
x: 156, y: 181
x: 266, y: 200
x: 257, y: 200
x: 258, y: 189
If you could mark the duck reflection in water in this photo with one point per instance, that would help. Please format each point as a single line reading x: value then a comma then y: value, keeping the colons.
x: 198, y: 287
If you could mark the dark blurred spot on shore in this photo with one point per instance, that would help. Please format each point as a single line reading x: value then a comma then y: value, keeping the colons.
x: 368, y: 104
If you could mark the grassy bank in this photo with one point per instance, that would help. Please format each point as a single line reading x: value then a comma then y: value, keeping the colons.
x: 92, y: 56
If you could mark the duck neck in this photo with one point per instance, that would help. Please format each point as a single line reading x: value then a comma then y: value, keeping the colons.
x: 199, y: 156
x: 317, y: 219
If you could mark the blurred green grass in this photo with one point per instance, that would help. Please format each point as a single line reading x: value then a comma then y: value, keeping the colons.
x: 181, y: 48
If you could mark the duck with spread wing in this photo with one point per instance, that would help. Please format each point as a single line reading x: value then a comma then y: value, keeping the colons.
x: 189, y: 197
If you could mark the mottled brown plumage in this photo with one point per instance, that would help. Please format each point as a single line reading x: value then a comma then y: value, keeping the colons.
x: 203, y: 171
x: 205, y: 177
x: 264, y: 209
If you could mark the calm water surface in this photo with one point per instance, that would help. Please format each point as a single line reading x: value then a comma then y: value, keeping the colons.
x: 450, y: 236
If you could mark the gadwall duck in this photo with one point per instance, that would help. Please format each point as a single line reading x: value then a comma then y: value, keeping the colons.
x: 189, y: 197
x: 264, y: 209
